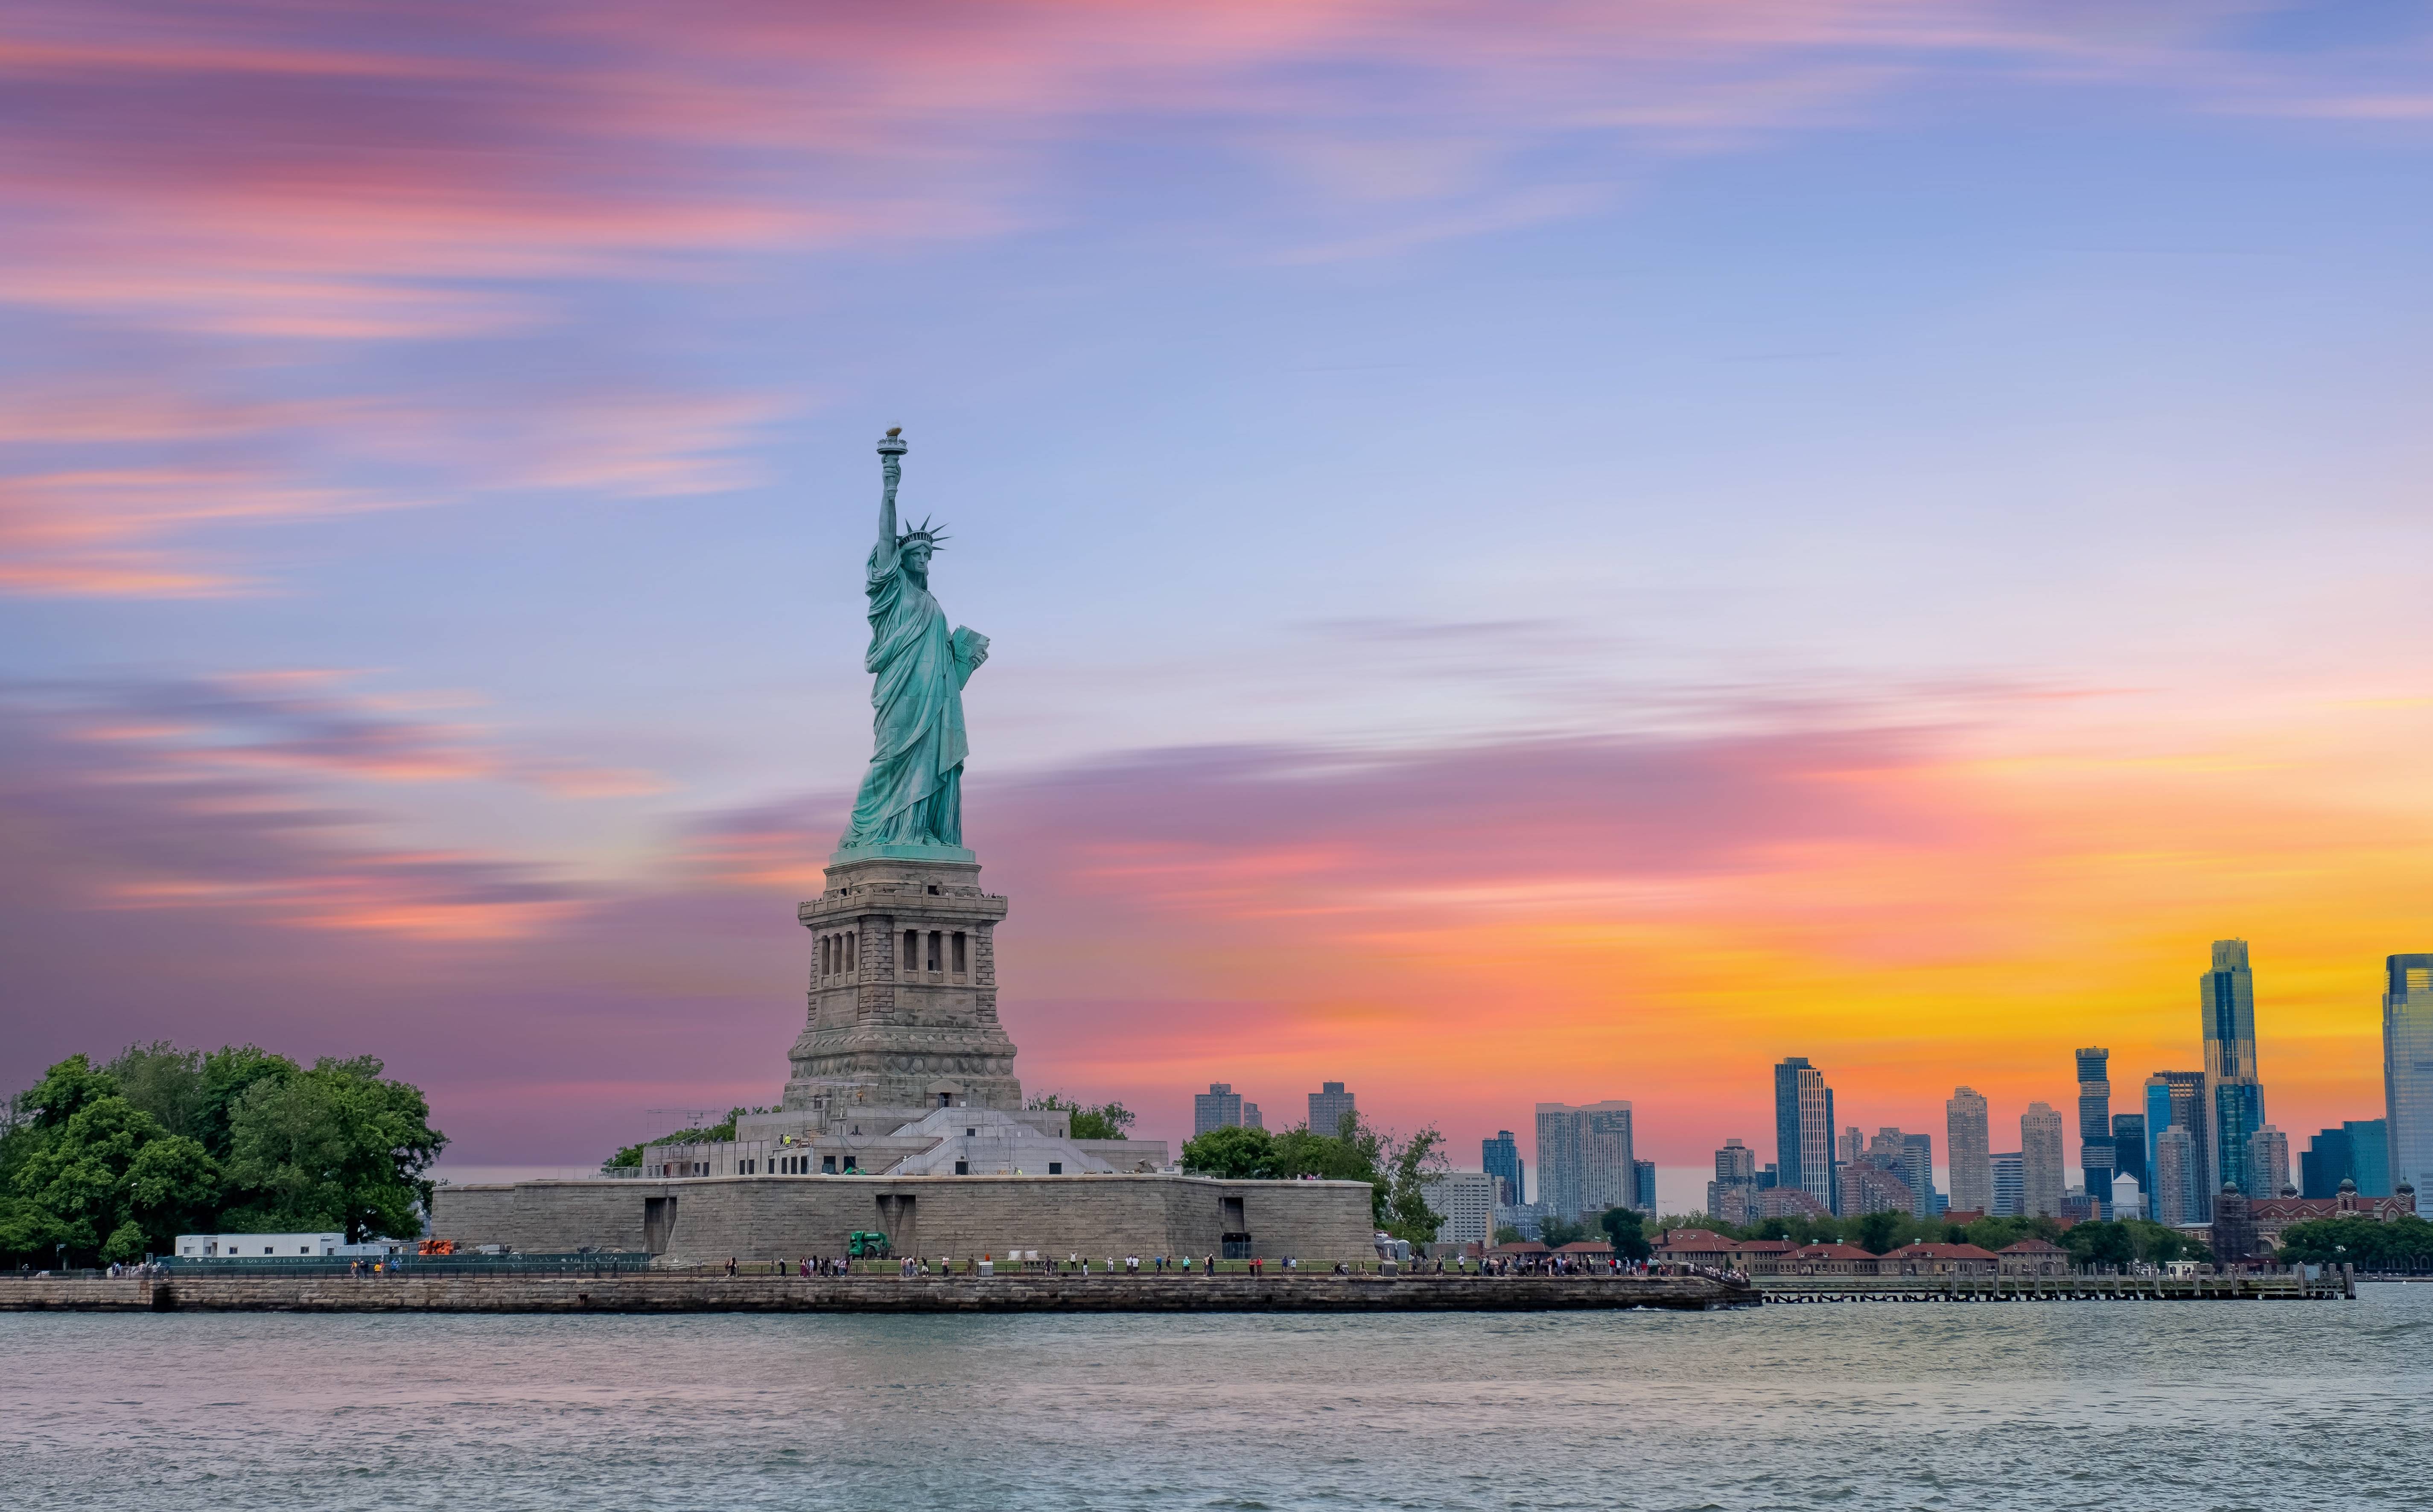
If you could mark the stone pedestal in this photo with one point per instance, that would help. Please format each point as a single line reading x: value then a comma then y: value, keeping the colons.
x: 903, y: 997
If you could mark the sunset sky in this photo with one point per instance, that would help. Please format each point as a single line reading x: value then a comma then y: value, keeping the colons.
x: 1535, y: 551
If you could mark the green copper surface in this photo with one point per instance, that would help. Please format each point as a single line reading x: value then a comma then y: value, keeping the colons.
x: 911, y: 805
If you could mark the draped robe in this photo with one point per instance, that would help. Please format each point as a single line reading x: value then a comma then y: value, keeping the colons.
x: 914, y: 791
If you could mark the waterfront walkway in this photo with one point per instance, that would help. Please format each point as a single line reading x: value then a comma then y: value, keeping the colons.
x: 1284, y: 1292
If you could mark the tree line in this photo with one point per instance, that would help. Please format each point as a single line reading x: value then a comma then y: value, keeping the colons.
x: 112, y: 1162
x: 1396, y: 1170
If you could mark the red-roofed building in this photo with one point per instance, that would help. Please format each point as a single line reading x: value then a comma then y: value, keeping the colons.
x: 2034, y: 1257
x: 1939, y: 1260
x: 1693, y: 1247
x: 1826, y: 1260
x: 1761, y: 1257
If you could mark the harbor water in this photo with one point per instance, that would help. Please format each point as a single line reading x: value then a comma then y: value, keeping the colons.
x: 2021, y: 1405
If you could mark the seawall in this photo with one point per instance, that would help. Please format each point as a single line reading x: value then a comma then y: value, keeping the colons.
x: 871, y: 1294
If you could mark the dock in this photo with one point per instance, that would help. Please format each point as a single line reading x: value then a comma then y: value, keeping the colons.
x: 661, y: 1292
x: 2329, y: 1286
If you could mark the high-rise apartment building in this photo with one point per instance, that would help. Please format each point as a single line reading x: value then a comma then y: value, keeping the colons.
x: 1501, y: 1156
x: 1464, y: 1203
x: 1584, y: 1161
x: 1965, y: 1135
x: 1735, y: 1182
x: 2041, y: 1171
x: 1220, y: 1106
x: 1328, y: 1106
x: 2129, y: 1148
x: 2407, y: 1071
x: 1803, y: 1128
x: 1854, y: 1144
x: 1917, y: 1170
x: 1644, y: 1186
x: 1735, y: 1165
x: 2233, y: 1096
x: 1866, y: 1187
x: 2009, y: 1183
x: 2179, y: 1170
x: 2268, y: 1161
x: 2178, y: 1098
x: 1251, y: 1117
x: 2095, y: 1153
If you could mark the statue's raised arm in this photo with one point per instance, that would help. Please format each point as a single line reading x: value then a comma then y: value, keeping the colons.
x: 890, y: 470
x: 911, y: 798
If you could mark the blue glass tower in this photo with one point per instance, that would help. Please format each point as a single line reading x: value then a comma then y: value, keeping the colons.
x: 1499, y: 1157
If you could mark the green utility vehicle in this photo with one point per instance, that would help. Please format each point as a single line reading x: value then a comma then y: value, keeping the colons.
x: 860, y: 1245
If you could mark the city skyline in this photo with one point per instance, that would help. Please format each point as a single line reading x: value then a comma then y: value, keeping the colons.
x: 1968, y: 454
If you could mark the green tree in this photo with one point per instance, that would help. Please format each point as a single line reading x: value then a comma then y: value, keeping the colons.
x: 1234, y: 1153
x: 338, y: 1146
x: 1414, y: 1160
x: 1880, y: 1233
x: 2100, y: 1243
x: 1626, y: 1228
x: 166, y: 1082
x: 1108, y: 1120
x: 2404, y: 1244
x: 1555, y: 1232
x: 228, y: 1072
x: 631, y: 1155
x: 93, y: 1172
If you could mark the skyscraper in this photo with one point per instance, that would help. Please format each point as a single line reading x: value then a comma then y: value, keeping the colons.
x: 2234, y: 1097
x: 1217, y: 1108
x: 1735, y: 1165
x: 1803, y: 1128
x: 2129, y: 1148
x: 2008, y: 1184
x: 1972, y: 1167
x: 1735, y: 1182
x: 2178, y: 1171
x: 2178, y: 1097
x: 1584, y: 1161
x: 1917, y: 1170
x: 2407, y: 1071
x: 1328, y: 1106
x: 2370, y: 1150
x: 2041, y: 1171
x: 2094, y: 1152
x: 2268, y: 1161
x: 1501, y: 1158
x: 1252, y: 1118
x: 1642, y: 1181
x: 2326, y: 1162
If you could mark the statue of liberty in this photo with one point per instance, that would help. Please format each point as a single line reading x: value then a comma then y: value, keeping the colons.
x: 911, y: 798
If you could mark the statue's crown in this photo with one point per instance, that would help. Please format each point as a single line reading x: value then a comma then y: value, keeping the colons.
x: 922, y: 531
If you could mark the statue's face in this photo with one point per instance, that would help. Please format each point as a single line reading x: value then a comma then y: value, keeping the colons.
x: 916, y: 557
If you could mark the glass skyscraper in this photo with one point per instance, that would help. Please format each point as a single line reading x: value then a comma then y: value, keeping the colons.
x: 2129, y: 1149
x: 2370, y: 1151
x: 2095, y: 1155
x: 1803, y: 1128
x: 2176, y: 1099
x: 2408, y: 1070
x: 1499, y: 1157
x: 2226, y: 999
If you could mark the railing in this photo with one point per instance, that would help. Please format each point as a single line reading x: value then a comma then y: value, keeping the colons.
x: 600, y: 1264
